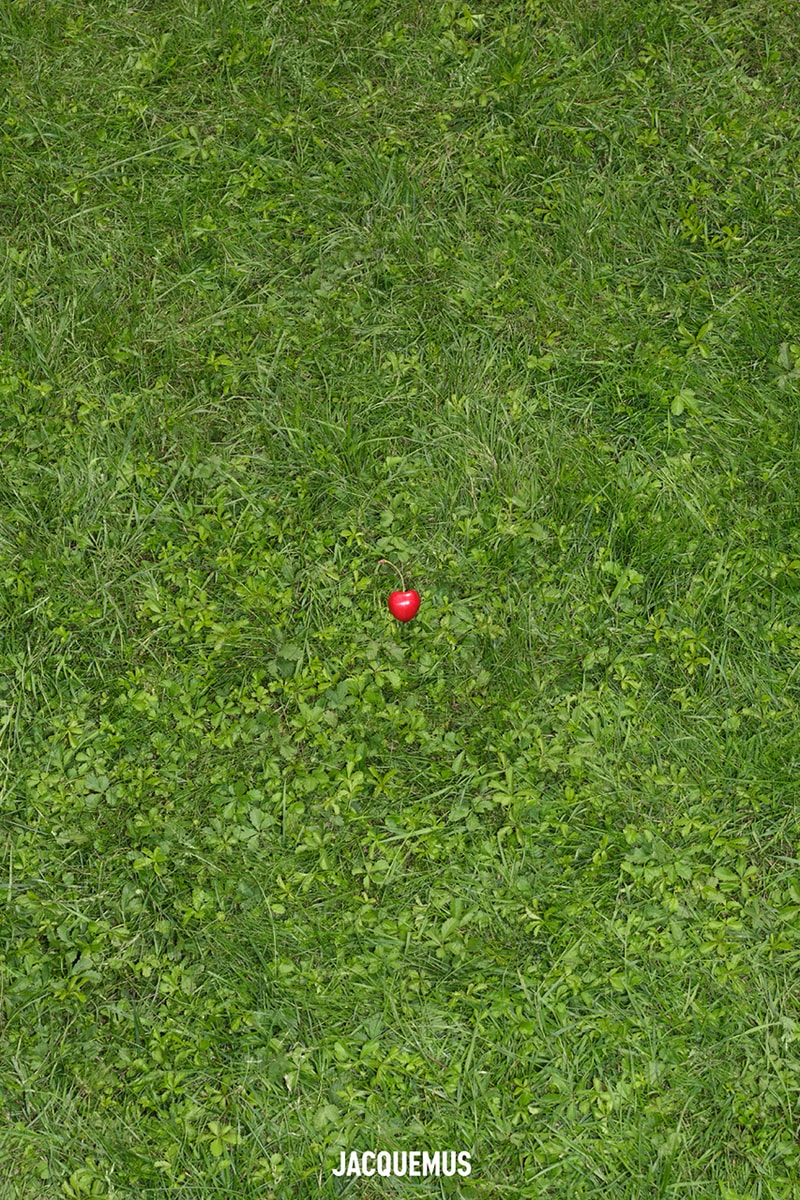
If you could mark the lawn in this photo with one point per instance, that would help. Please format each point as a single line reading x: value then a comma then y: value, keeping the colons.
x: 510, y: 299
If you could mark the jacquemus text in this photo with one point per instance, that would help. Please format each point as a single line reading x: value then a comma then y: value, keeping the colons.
x: 404, y: 1162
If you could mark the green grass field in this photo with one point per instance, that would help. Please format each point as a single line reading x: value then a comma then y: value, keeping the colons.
x: 511, y: 299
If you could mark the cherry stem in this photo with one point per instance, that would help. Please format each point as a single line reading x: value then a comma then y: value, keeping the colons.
x: 394, y: 568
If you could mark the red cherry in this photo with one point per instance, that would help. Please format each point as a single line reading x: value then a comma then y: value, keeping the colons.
x: 404, y: 605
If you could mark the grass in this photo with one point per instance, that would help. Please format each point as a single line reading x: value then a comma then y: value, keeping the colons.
x: 510, y: 299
